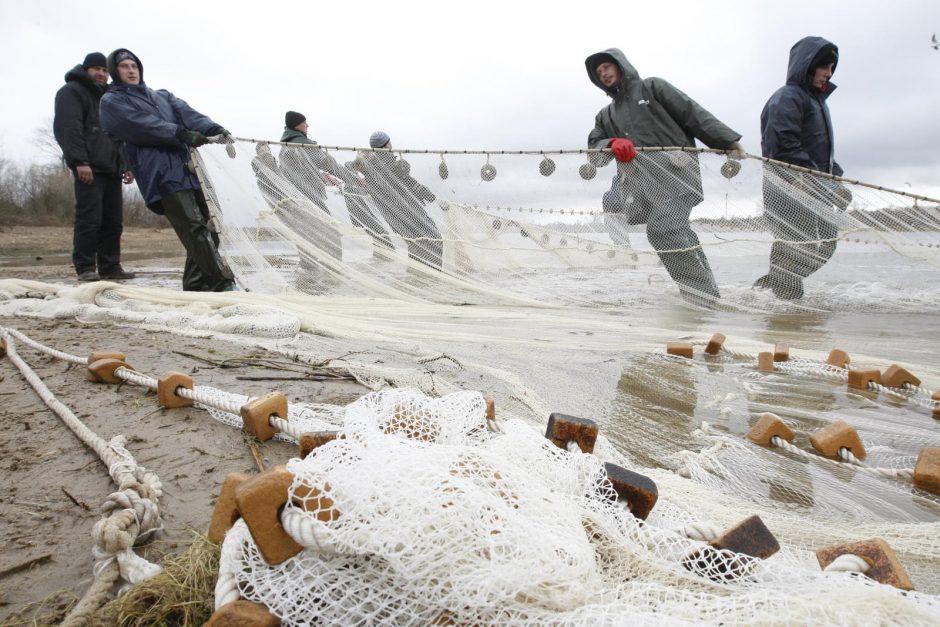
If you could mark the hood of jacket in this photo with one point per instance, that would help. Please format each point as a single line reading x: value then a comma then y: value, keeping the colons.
x: 803, y: 56
x: 611, y: 55
x: 78, y: 75
x: 294, y: 136
x: 112, y: 66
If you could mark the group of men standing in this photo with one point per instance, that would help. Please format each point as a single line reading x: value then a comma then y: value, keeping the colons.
x: 155, y: 132
x: 127, y: 129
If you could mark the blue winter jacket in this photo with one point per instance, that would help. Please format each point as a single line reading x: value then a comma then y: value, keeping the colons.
x: 146, y: 122
x: 795, y: 124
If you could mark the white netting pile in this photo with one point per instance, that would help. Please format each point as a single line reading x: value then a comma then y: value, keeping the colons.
x: 424, y: 517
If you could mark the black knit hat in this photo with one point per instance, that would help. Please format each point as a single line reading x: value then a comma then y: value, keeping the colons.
x: 94, y: 59
x: 292, y: 119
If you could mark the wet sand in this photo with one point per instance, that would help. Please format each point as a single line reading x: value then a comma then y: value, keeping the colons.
x: 51, y: 486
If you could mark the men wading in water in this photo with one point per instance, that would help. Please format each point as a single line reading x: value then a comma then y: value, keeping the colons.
x: 796, y: 128
x: 646, y: 113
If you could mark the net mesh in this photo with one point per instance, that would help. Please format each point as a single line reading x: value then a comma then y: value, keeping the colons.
x: 535, y: 279
x: 484, y: 228
x: 425, y: 518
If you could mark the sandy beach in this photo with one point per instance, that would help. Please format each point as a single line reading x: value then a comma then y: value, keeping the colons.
x: 52, y: 486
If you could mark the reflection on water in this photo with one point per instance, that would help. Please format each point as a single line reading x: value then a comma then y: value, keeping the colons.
x: 661, y: 401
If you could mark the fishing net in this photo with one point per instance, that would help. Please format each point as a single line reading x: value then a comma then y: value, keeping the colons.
x: 535, y: 279
x: 562, y: 228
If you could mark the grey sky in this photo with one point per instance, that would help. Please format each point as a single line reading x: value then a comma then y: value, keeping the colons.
x: 490, y: 74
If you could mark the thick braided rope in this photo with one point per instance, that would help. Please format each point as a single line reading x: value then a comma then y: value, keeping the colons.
x: 890, y: 473
x: 75, y: 359
x: 726, y: 352
x: 806, y: 367
x: 848, y: 563
x: 701, y: 531
x: 96, y: 596
x: 216, y: 399
x: 308, y: 532
x: 118, y: 531
x: 226, y: 586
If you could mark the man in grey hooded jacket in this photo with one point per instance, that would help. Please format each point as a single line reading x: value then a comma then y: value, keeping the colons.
x: 650, y: 113
x: 796, y: 128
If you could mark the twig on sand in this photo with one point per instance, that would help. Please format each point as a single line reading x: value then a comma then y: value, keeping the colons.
x: 24, y: 565
x: 311, y: 377
x: 312, y: 372
x: 206, y: 360
x: 257, y: 455
x: 84, y: 506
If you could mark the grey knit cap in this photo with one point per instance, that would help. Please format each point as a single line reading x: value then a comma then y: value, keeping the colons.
x: 378, y: 139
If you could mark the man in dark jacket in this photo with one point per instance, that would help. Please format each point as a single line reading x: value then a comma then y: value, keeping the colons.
x: 648, y: 113
x: 305, y: 167
x: 96, y: 166
x: 156, y: 130
x: 401, y: 199
x: 796, y: 128
x: 310, y: 168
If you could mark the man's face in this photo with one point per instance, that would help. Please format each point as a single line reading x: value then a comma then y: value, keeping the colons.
x: 302, y: 127
x: 822, y: 75
x: 98, y: 74
x: 609, y: 73
x: 128, y: 72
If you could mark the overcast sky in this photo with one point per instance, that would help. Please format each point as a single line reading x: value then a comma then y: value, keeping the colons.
x: 487, y: 74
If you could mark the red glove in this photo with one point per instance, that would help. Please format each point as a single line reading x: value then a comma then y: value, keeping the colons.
x: 623, y: 149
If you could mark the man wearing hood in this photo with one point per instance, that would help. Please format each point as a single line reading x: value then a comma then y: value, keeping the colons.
x: 402, y: 199
x: 652, y: 113
x: 157, y: 130
x: 97, y: 168
x: 796, y: 128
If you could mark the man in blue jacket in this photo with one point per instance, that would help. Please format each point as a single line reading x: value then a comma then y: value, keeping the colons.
x: 157, y: 130
x: 796, y: 128
x: 96, y: 165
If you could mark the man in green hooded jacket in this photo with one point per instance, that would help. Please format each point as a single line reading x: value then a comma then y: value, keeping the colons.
x: 651, y: 112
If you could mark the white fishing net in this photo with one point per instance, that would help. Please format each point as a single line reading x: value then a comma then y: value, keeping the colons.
x: 424, y: 517
x: 538, y: 285
x: 514, y: 228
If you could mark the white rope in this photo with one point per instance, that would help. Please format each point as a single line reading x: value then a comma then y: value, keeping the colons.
x: 811, y: 369
x: 209, y: 397
x: 308, y: 532
x: 285, y: 426
x: 701, y: 531
x: 132, y: 376
x: 848, y: 563
x: 726, y: 352
x: 906, y: 474
x: 75, y: 359
x: 131, y: 513
x: 572, y: 446
x: 223, y: 401
x: 919, y: 391
x: 737, y: 354
x: 846, y: 455
x: 909, y: 393
x: 493, y: 425
x: 226, y: 586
